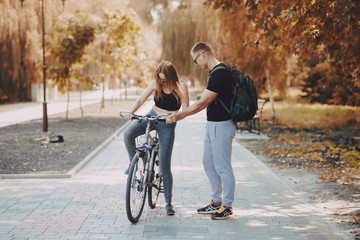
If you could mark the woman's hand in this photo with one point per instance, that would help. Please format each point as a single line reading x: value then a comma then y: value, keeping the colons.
x: 126, y: 115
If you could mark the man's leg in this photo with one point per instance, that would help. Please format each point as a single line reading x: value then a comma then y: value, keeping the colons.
x: 209, y: 167
x: 221, y: 143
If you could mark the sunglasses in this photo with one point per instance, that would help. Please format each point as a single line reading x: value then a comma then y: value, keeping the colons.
x: 162, y: 77
x: 195, y: 60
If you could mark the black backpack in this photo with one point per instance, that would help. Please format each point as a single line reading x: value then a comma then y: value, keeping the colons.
x: 243, y: 105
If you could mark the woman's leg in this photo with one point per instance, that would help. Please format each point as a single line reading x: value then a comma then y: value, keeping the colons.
x: 166, y: 137
x: 135, y: 129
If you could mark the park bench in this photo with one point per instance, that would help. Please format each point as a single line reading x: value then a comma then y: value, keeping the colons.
x: 253, y: 125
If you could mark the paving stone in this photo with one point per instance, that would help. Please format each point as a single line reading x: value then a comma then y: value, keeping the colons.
x: 91, y: 205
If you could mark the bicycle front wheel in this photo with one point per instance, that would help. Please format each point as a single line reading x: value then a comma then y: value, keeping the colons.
x: 156, y: 185
x: 135, y: 191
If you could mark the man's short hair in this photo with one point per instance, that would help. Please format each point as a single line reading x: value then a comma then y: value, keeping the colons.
x: 200, y: 46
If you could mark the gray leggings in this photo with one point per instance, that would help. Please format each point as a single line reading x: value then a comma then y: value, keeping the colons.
x: 166, y: 137
x: 217, y: 160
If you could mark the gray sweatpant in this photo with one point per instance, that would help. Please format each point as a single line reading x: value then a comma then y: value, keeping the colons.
x: 217, y: 160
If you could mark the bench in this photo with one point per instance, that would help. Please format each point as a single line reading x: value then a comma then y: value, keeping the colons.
x: 253, y: 125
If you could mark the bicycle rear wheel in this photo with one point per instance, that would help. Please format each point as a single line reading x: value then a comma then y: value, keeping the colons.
x: 156, y: 185
x: 135, y: 191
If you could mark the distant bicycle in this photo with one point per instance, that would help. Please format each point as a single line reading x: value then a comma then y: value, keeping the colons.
x: 144, y: 171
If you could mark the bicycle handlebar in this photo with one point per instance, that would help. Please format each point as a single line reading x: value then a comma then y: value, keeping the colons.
x: 145, y: 117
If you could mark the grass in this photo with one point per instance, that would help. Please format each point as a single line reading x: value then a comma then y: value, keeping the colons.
x: 302, y: 115
x: 318, y: 135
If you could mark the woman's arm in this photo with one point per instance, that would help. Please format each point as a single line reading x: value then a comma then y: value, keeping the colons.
x: 185, y: 99
x: 143, y: 97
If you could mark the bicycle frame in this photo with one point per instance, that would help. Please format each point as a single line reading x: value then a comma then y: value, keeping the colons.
x: 141, y: 179
x: 150, y: 146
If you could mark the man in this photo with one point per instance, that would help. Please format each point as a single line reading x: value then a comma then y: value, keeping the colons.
x: 220, y: 131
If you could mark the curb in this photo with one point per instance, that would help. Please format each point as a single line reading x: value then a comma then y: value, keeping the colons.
x: 251, y: 136
x: 91, y: 155
x: 75, y: 169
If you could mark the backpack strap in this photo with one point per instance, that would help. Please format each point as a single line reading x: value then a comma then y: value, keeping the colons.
x: 223, y: 66
x: 223, y: 104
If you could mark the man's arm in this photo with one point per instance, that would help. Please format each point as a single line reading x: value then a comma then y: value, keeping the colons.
x: 185, y: 98
x: 206, y: 98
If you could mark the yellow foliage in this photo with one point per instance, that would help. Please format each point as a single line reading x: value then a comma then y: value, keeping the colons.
x: 351, y: 158
x: 336, y: 150
x: 316, y: 158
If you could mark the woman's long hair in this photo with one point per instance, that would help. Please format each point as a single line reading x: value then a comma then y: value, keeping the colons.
x: 172, y: 81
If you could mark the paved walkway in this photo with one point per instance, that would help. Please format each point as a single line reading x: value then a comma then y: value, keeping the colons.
x: 90, y: 205
x: 34, y: 110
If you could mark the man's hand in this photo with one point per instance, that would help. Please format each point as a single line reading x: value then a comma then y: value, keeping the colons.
x: 171, y: 118
x: 174, y: 117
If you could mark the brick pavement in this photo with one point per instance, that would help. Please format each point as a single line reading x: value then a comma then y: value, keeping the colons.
x: 91, y: 204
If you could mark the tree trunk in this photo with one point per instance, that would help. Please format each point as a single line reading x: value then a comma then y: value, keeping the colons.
x: 81, y: 109
x: 102, y: 104
x: 267, y: 73
x: 68, y: 99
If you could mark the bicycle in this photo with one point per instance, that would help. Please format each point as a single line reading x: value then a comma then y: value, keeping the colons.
x: 144, y: 170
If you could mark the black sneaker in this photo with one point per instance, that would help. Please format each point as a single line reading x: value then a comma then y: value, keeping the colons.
x: 224, y: 212
x: 209, y: 209
x: 170, y: 209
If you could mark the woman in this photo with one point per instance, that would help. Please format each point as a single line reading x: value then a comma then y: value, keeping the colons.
x: 170, y: 95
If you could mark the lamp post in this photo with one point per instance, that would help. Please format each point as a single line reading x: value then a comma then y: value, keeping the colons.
x: 45, y: 116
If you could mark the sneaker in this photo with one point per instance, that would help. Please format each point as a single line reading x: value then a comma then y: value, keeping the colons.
x: 224, y: 212
x: 170, y: 209
x: 209, y: 209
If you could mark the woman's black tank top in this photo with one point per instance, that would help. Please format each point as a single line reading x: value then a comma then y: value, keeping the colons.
x: 168, y: 102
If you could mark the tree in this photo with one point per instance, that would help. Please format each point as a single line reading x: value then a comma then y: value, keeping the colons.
x: 85, y: 81
x: 183, y: 23
x: 118, y: 37
x: 67, y: 46
x: 18, y: 53
x: 329, y: 28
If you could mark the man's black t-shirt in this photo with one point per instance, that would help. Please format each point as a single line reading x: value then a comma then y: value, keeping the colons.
x: 220, y: 82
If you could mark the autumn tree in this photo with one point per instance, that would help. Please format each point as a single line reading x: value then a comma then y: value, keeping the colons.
x: 321, y: 27
x: 182, y: 23
x: 19, y: 46
x: 67, y: 46
x: 118, y: 34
